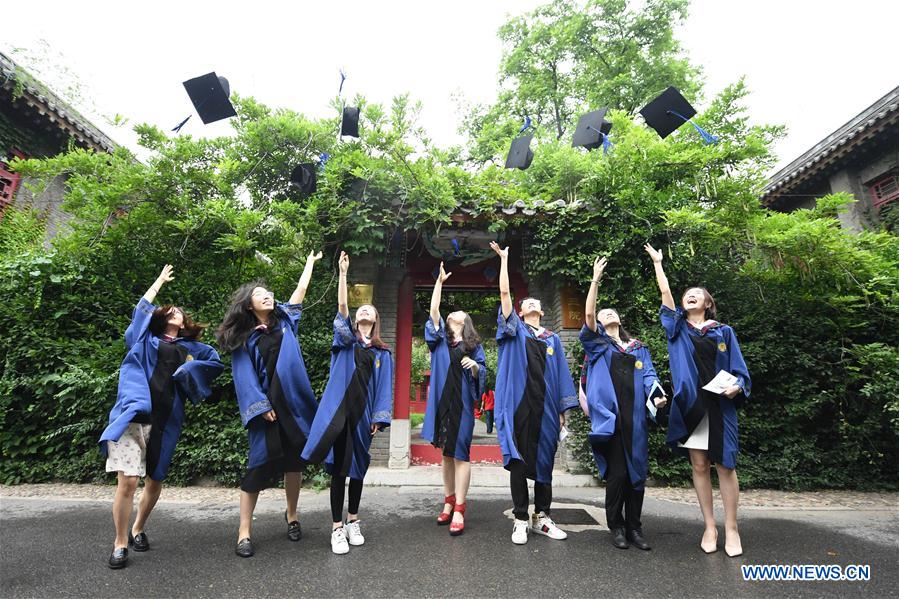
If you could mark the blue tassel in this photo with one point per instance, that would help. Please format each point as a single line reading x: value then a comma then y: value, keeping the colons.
x: 342, y: 79
x: 707, y: 137
x: 322, y: 160
x: 181, y: 124
x: 456, y: 250
x: 606, y: 144
x: 527, y: 124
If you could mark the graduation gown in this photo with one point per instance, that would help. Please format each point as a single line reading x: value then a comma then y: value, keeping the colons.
x: 155, y: 379
x: 533, y: 386
x: 359, y: 393
x: 452, y: 395
x: 269, y: 373
x: 618, y: 383
x: 696, y: 356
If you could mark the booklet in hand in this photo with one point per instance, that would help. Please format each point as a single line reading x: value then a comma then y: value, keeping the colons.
x: 721, y: 382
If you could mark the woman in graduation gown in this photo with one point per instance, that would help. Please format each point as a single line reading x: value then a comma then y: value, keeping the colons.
x: 620, y: 378
x: 458, y: 377
x: 356, y: 404
x: 534, y: 389
x: 702, y: 424
x: 165, y: 365
x: 274, y: 395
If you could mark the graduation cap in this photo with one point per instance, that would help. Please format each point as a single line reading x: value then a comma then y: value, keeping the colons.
x: 669, y: 111
x: 520, y: 155
x: 592, y: 130
x: 209, y: 95
x: 304, y: 178
x: 349, y: 124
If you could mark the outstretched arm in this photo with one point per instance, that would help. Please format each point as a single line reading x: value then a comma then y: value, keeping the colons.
x: 343, y: 264
x: 505, y: 295
x: 661, y: 279
x: 590, y: 308
x: 435, y: 296
x: 299, y: 294
x: 164, y: 277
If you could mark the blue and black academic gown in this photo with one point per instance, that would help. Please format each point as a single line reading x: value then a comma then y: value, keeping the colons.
x: 269, y: 374
x: 453, y: 393
x: 359, y: 393
x: 155, y: 378
x: 696, y: 356
x: 533, y: 386
x: 619, y: 380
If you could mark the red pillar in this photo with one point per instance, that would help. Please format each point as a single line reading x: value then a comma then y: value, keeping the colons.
x: 403, y: 353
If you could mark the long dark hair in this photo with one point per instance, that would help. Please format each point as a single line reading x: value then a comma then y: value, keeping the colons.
x: 375, y: 338
x: 239, y: 320
x: 622, y: 332
x: 712, y: 310
x: 470, y: 338
x: 191, y: 330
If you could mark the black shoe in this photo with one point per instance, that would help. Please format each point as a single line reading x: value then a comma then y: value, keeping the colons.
x: 294, y: 532
x: 244, y: 548
x: 635, y: 536
x: 140, y: 542
x: 118, y: 558
x: 618, y: 538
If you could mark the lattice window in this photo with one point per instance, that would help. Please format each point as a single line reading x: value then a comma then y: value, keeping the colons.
x: 884, y: 190
x: 9, y: 182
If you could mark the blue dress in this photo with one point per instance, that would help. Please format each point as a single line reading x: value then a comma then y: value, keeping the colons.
x: 359, y: 393
x: 533, y: 387
x: 154, y: 380
x: 618, y: 383
x: 269, y: 374
x: 453, y: 393
x: 696, y: 356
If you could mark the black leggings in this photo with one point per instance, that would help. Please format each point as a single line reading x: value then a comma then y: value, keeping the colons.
x: 338, y: 490
x: 543, y: 493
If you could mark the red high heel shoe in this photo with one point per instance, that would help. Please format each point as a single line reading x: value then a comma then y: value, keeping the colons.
x: 457, y: 528
x: 443, y: 518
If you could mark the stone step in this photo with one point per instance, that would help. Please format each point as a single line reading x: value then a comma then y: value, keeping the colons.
x: 481, y: 477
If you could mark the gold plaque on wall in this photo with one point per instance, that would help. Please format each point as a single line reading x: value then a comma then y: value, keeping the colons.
x: 360, y: 294
x: 572, y: 308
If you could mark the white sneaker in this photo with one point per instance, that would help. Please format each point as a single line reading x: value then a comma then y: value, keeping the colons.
x: 543, y: 525
x: 354, y: 533
x: 520, y: 532
x: 338, y: 541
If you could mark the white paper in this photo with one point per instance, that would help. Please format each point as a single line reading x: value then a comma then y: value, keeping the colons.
x: 651, y: 406
x: 563, y: 433
x: 721, y: 382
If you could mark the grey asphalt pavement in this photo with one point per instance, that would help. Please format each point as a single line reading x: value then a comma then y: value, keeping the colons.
x: 57, y: 547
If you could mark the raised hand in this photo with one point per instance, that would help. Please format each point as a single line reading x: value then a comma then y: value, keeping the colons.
x: 599, y: 265
x: 343, y: 263
x: 166, y: 275
x: 655, y: 254
x: 313, y: 257
x: 502, y: 253
x: 443, y: 276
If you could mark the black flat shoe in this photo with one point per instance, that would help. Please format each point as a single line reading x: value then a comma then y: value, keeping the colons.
x: 118, y: 558
x: 618, y: 538
x: 636, y: 538
x: 244, y: 548
x: 140, y: 542
x: 294, y: 531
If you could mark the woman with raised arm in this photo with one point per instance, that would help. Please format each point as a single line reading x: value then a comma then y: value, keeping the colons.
x: 703, y: 424
x: 165, y: 365
x: 620, y: 379
x: 534, y: 389
x: 458, y: 377
x: 356, y: 404
x: 274, y: 395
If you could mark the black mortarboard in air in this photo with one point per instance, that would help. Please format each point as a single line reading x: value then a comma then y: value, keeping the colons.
x: 669, y: 111
x: 349, y: 124
x: 304, y: 178
x: 520, y: 154
x: 592, y: 128
x: 209, y: 95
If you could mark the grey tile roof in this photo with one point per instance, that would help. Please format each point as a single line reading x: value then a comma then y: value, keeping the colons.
x: 48, y: 102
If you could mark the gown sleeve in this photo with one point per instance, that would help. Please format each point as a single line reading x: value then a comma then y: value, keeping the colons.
x: 383, y: 399
x: 738, y: 366
x: 594, y: 342
x: 138, y: 330
x: 567, y: 393
x: 250, y: 398
x: 194, y: 377
x: 343, y: 333
x: 479, y: 357
x: 290, y: 312
x: 672, y: 321
x: 506, y: 327
x: 434, y: 336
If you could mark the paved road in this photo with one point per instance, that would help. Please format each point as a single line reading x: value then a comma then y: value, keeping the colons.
x: 56, y: 547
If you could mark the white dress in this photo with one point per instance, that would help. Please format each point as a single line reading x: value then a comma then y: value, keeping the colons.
x: 700, y: 437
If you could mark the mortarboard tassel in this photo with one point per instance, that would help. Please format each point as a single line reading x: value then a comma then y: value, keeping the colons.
x: 342, y: 79
x: 456, y: 250
x: 181, y: 124
x: 526, y: 126
x: 707, y: 137
x: 322, y: 160
x: 606, y: 144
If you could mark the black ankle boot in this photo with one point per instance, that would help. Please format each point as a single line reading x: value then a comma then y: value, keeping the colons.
x: 618, y: 538
x: 635, y: 536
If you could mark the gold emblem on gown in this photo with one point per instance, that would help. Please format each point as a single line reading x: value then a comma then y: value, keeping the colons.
x: 549, y: 350
x: 722, y: 346
x: 378, y: 363
x: 188, y: 358
x: 638, y: 364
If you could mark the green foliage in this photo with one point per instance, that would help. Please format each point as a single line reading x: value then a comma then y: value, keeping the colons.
x: 21, y: 230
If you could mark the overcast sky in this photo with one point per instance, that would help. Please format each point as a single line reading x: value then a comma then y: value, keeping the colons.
x: 811, y: 65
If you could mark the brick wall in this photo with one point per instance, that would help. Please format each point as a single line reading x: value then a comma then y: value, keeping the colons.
x: 47, y: 203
